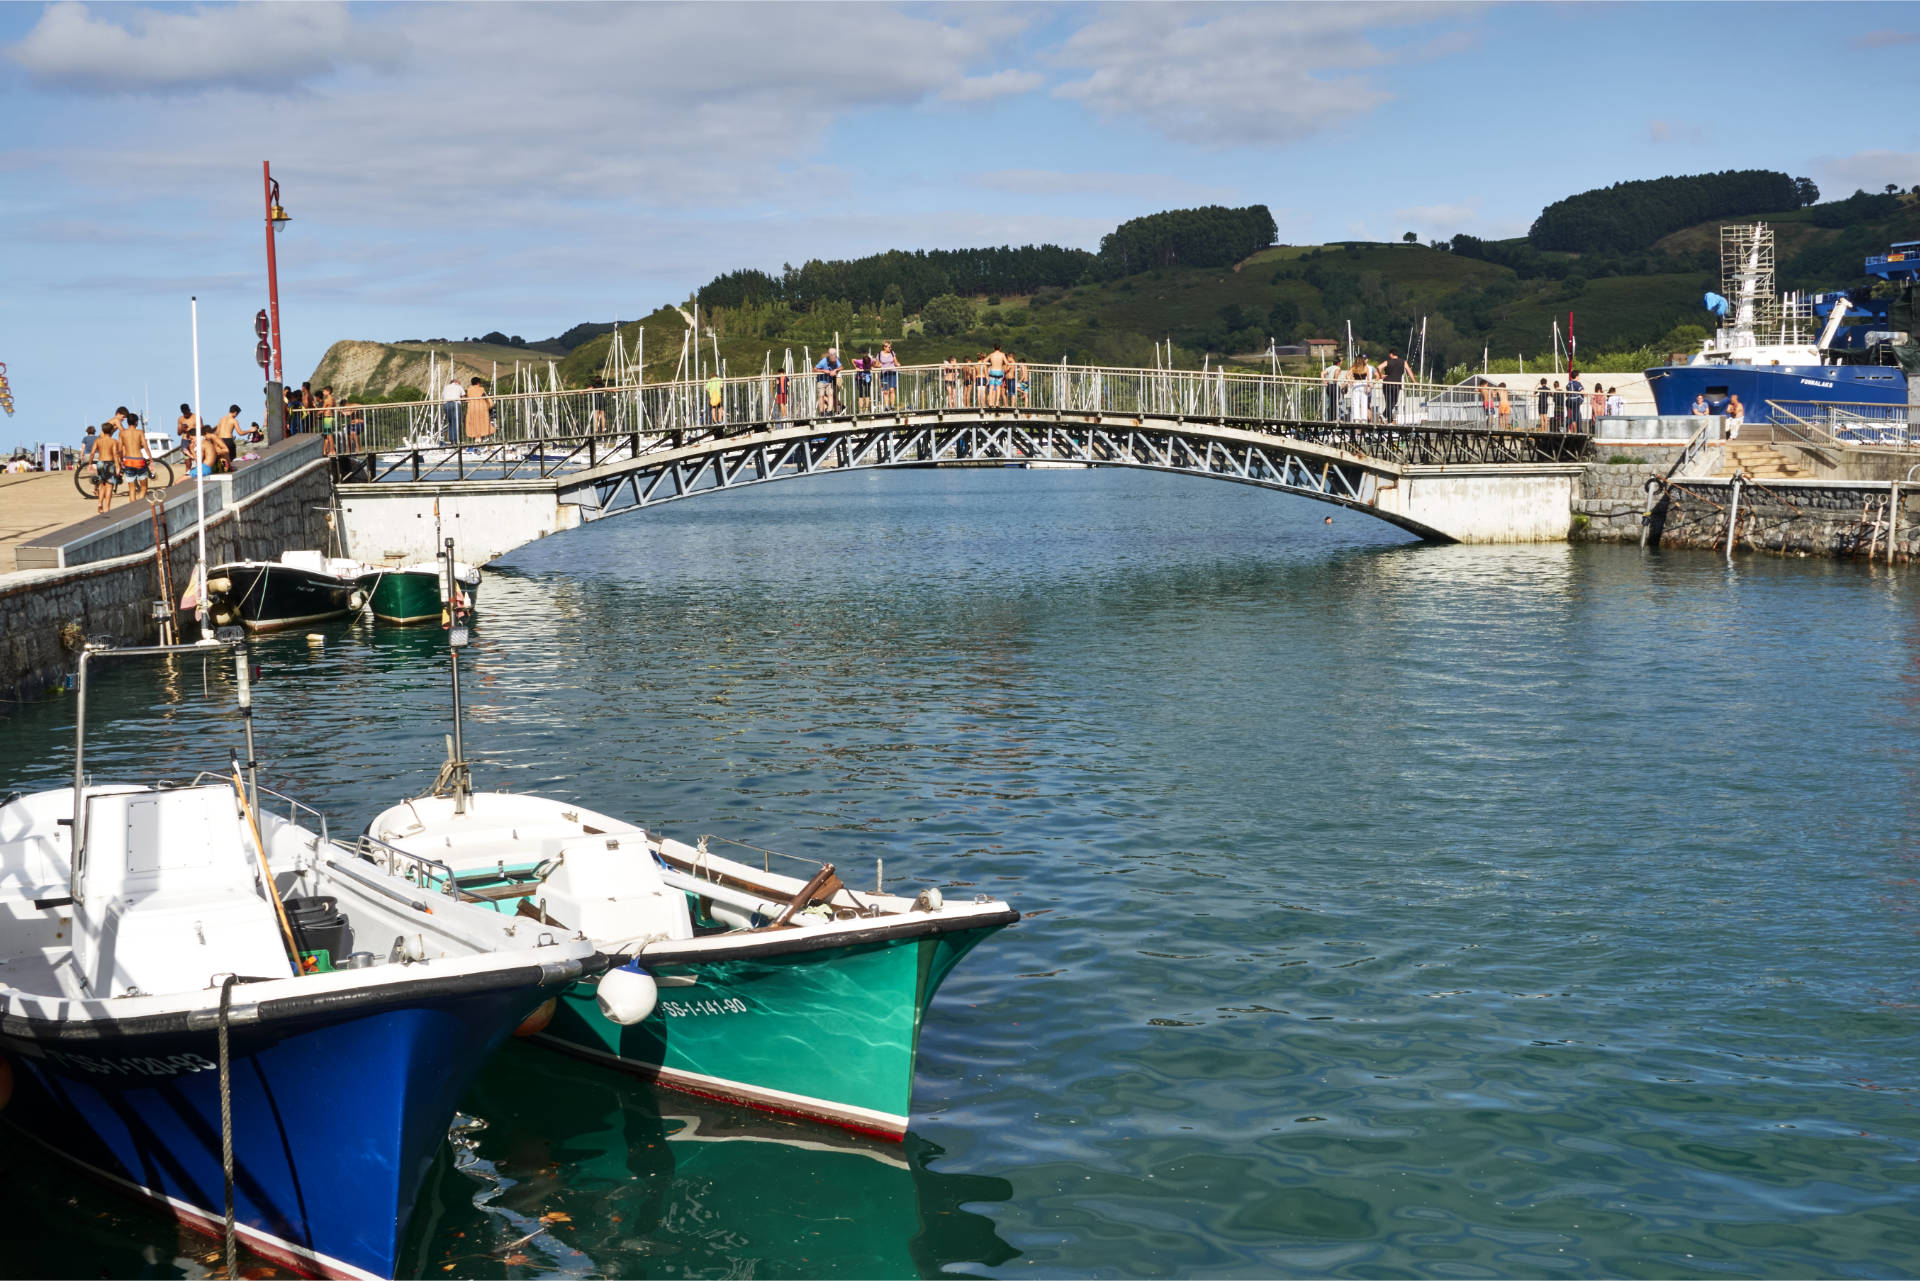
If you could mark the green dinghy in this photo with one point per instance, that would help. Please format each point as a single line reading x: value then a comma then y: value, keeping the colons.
x: 792, y: 994
x: 417, y: 593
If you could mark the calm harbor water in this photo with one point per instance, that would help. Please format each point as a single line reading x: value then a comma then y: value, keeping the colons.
x: 1394, y: 910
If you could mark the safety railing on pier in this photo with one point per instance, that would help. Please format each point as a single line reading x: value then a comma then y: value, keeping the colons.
x: 644, y: 414
x: 1856, y: 423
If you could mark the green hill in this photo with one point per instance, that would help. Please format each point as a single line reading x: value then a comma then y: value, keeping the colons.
x: 1503, y: 297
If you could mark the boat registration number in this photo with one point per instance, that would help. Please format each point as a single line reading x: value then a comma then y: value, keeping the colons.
x: 688, y: 1009
x: 171, y: 1065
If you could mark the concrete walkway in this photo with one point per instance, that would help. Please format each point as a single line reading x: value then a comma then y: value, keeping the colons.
x: 36, y: 503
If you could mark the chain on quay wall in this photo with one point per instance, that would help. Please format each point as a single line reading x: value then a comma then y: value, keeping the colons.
x: 47, y: 615
x: 1844, y: 519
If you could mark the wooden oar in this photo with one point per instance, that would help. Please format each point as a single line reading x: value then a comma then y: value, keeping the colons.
x: 260, y: 848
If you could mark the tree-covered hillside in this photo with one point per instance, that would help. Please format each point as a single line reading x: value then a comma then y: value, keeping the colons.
x: 1209, y: 281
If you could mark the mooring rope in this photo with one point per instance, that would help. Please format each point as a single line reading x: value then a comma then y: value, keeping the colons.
x: 226, y: 1122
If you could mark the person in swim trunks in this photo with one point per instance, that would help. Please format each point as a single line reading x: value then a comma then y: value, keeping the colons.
x: 106, y: 466
x: 996, y: 375
x: 136, y: 460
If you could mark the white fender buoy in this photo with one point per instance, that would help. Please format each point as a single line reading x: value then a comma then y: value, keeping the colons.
x: 315, y: 638
x: 628, y: 995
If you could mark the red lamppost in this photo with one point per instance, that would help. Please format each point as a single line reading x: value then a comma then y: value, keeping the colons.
x: 276, y: 219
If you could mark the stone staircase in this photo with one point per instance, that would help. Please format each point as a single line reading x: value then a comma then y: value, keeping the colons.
x: 1760, y: 461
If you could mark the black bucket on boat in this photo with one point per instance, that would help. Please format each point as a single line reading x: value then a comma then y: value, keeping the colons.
x: 318, y: 923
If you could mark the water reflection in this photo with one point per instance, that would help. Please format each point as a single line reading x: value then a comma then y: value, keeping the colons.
x: 583, y: 1170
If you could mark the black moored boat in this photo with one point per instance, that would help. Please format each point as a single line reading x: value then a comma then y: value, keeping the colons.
x: 269, y: 595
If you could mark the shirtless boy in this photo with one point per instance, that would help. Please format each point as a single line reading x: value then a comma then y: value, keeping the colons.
x: 223, y: 433
x: 136, y: 460
x: 996, y: 376
x: 106, y: 466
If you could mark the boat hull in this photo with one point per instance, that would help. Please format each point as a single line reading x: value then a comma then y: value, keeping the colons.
x: 269, y: 597
x: 410, y: 596
x: 337, y: 1117
x: 829, y: 1035
x: 1675, y: 387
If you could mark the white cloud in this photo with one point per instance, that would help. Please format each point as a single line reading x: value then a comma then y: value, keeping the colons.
x: 134, y: 50
x: 1840, y: 176
x: 1234, y: 75
x: 625, y: 106
x: 1005, y: 83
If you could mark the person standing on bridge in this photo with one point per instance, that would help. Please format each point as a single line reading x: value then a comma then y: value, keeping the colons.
x: 949, y: 382
x: 996, y: 376
x: 1360, y: 391
x: 479, y: 411
x: 450, y: 397
x: 1392, y: 374
x: 1330, y: 378
x: 889, y: 377
x: 716, y: 398
x: 827, y: 375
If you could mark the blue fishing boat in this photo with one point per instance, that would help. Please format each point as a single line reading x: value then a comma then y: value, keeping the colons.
x: 208, y: 1002
x: 1761, y: 351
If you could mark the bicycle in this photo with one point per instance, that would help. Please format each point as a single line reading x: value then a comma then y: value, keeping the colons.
x: 160, y: 476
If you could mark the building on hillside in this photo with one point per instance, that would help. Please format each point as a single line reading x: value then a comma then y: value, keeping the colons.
x: 1322, y: 348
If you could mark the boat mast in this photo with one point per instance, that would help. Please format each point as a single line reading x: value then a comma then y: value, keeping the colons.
x: 455, y: 774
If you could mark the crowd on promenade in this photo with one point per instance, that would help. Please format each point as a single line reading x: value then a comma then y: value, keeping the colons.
x: 120, y: 453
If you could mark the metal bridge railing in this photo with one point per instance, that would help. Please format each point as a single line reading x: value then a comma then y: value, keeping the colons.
x: 1857, y: 423
x: 644, y: 415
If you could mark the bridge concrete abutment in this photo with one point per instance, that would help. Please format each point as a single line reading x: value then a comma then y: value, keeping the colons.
x: 486, y: 519
x: 1494, y: 503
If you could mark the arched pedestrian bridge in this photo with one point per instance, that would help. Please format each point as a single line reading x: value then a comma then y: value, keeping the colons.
x: 1440, y: 465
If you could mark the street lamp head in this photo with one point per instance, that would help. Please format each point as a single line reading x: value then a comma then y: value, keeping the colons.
x: 277, y: 215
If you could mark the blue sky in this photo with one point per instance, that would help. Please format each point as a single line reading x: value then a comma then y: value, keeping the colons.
x: 452, y: 169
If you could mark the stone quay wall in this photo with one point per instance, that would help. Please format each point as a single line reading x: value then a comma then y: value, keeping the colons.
x: 46, y: 616
x: 1818, y: 516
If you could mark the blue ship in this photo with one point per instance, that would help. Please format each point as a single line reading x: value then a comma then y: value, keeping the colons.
x: 1851, y: 372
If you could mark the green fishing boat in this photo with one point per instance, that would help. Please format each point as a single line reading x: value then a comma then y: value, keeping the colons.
x: 791, y: 994
x: 417, y: 593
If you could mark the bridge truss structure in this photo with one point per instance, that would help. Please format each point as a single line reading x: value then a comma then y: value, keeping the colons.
x: 606, y: 473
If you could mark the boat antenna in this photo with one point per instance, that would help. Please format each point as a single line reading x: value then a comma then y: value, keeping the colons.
x: 455, y: 776
x: 242, y: 677
x: 199, y: 482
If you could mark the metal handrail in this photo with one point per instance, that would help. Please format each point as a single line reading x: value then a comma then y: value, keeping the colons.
x: 293, y: 806
x: 639, y: 416
x: 420, y: 868
x: 1856, y: 424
